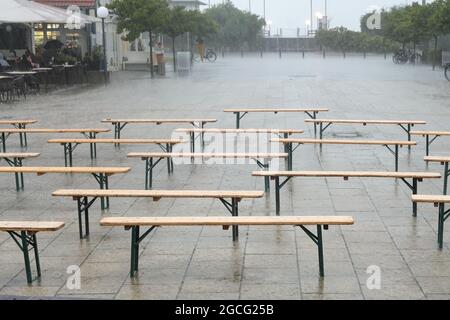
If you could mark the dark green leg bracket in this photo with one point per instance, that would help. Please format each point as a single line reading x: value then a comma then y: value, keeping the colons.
x: 103, y: 182
x: 83, y: 207
x: 317, y: 239
x: 27, y: 243
x: 136, y: 239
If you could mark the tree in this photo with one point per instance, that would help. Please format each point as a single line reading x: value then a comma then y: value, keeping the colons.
x: 178, y: 22
x: 138, y: 16
x: 235, y: 27
x: 438, y: 23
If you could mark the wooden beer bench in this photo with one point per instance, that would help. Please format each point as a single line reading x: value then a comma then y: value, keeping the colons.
x: 430, y: 137
x: 119, y: 124
x: 276, y: 175
x: 24, y: 235
x: 406, y: 125
x: 445, y: 162
x: 282, y: 133
x: 88, y: 133
x: 439, y: 202
x: 69, y: 145
x: 153, y: 222
x: 82, y: 198
x: 240, y: 113
x: 100, y: 174
x: 20, y: 124
x: 150, y: 163
x: 385, y: 143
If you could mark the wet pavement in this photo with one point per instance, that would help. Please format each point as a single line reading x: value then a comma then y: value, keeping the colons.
x: 267, y: 262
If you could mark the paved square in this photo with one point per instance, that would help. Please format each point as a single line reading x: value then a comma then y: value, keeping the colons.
x: 267, y: 262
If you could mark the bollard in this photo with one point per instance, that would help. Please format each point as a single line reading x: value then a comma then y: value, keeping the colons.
x: 364, y: 55
x: 242, y: 53
x: 279, y: 52
x: 303, y: 54
x: 324, y: 54
x: 261, y: 53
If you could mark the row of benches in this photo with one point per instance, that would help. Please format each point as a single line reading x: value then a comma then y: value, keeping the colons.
x: 82, y: 197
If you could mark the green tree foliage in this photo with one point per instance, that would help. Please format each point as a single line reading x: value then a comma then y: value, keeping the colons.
x: 236, y: 28
x: 178, y: 22
x: 344, y: 40
x: 138, y: 16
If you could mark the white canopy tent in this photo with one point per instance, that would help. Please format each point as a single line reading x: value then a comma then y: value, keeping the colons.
x: 24, y: 11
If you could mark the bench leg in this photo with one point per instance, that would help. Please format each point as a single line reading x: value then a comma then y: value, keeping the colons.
x: 318, y: 240
x: 446, y: 173
x: 83, y: 207
x: 3, y: 142
x: 235, y: 213
x: 24, y: 242
x: 277, y: 195
x: 19, y: 176
x: 202, y: 136
x: 148, y: 173
x: 238, y: 119
x: 441, y: 225
x: 192, y: 135
x: 396, y: 158
x: 414, y: 191
x: 427, y: 143
x: 93, y: 146
x: 289, y: 146
x: 102, y: 180
x: 134, y: 250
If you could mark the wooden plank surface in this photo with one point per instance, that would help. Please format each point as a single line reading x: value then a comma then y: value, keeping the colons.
x: 118, y: 141
x: 158, y: 193
x: 39, y: 130
x: 440, y: 159
x: 366, y: 121
x: 17, y: 121
x: 225, y: 221
x: 205, y: 155
x: 337, y: 141
x: 217, y: 130
x: 19, y: 155
x: 33, y: 226
x: 431, y: 198
x: 362, y: 174
x: 157, y: 121
x: 431, y: 133
x: 44, y: 170
x: 278, y: 110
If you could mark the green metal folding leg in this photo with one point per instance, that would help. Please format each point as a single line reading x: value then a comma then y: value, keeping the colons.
x: 27, y: 242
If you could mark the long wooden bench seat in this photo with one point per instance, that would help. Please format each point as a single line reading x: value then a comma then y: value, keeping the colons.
x: 240, y: 113
x: 439, y: 201
x: 150, y: 163
x: 386, y: 143
x: 430, y: 137
x: 101, y: 175
x: 69, y: 145
x: 406, y: 125
x: 119, y: 124
x: 413, y: 185
x: 282, y: 133
x: 24, y: 235
x: 82, y: 198
x: 15, y: 159
x: 90, y: 133
x: 152, y: 222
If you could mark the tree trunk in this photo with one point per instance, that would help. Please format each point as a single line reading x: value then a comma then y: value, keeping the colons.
x: 174, y: 57
x: 435, y: 52
x: 152, y: 71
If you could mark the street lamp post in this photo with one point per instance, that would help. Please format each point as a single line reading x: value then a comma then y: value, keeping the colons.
x: 102, y: 13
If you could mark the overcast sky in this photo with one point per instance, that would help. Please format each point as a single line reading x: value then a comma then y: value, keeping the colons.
x: 292, y: 14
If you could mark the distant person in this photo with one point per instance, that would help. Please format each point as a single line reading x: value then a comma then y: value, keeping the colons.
x: 3, y: 63
x: 201, y: 48
x: 29, y: 60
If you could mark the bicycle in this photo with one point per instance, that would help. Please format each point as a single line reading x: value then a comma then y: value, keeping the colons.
x: 210, y: 55
x: 403, y: 56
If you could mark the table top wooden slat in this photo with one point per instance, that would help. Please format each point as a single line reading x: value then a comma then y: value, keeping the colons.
x: 276, y: 110
x: 366, y: 121
x: 38, y: 130
x: 217, y: 130
x: 431, y: 133
x: 159, y: 193
x: 431, y: 198
x: 205, y: 155
x: 118, y: 141
x: 19, y: 155
x: 441, y: 159
x: 157, y: 120
x: 17, y: 121
x: 356, y: 174
x: 32, y: 226
x: 336, y: 141
x: 44, y: 170
x: 225, y: 221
